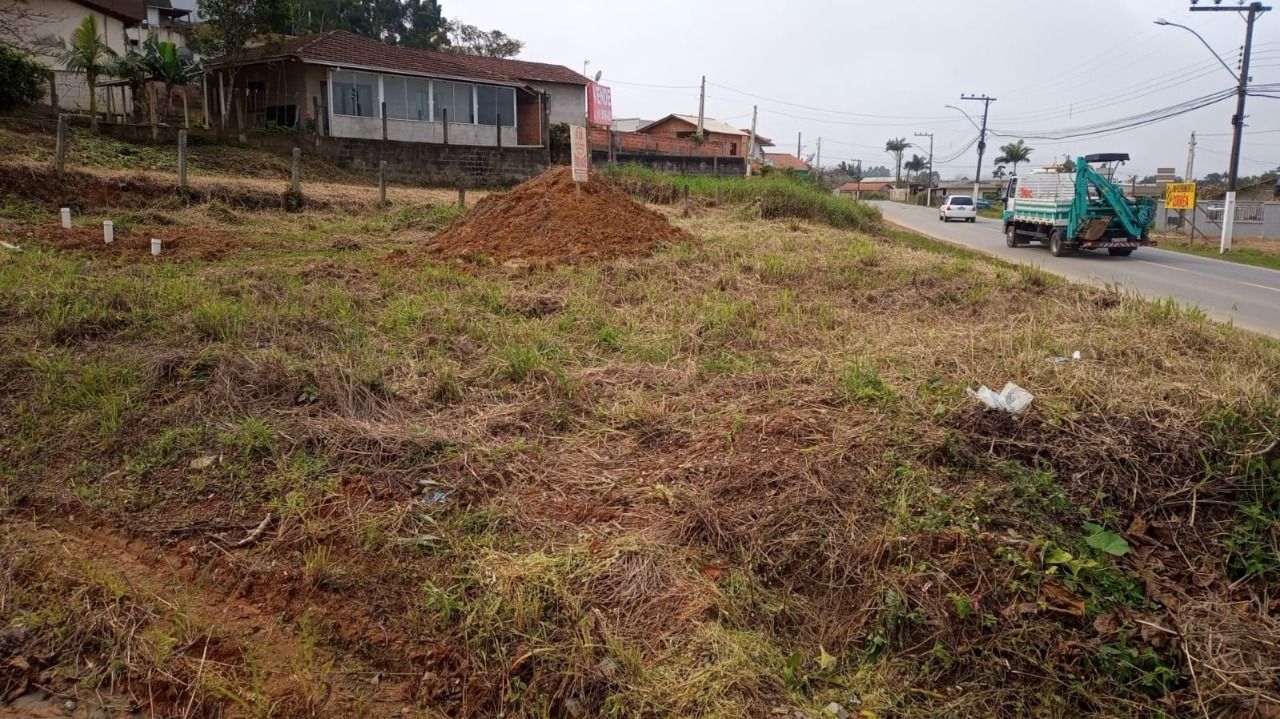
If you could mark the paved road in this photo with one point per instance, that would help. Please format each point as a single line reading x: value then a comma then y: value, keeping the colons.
x: 1247, y: 296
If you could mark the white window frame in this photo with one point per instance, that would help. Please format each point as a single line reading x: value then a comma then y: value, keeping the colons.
x: 381, y: 97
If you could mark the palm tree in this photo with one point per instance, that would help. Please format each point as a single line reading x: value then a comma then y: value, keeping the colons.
x: 89, y: 54
x: 165, y: 65
x: 896, y: 147
x: 1013, y: 153
x: 915, y: 164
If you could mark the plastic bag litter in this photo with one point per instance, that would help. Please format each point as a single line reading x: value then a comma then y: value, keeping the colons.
x: 1012, y: 399
x: 1075, y: 357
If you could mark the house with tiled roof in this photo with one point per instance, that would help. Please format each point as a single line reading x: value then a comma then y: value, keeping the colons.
x: 785, y: 161
x: 358, y: 87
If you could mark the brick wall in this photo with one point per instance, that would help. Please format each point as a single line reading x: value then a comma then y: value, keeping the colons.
x: 407, y: 162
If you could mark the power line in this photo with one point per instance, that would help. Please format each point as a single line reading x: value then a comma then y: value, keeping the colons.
x: 830, y: 111
x: 1138, y: 120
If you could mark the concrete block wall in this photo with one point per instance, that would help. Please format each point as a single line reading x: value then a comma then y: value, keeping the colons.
x: 418, y: 163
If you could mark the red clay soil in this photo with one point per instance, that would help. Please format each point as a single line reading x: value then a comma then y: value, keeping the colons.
x: 548, y: 220
x: 179, y: 243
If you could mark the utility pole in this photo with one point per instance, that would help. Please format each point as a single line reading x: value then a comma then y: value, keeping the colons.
x: 982, y: 140
x: 1253, y: 11
x: 751, y: 143
x: 797, y: 146
x: 928, y: 194
x: 817, y: 163
x: 702, y: 104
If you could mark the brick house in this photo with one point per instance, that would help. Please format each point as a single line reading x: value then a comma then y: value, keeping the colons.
x: 784, y: 161
x: 730, y: 141
x: 428, y: 96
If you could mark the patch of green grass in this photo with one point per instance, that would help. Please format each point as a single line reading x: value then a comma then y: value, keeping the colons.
x: 220, y: 319
x: 519, y: 361
x: 1242, y: 255
x: 250, y: 438
x: 861, y: 381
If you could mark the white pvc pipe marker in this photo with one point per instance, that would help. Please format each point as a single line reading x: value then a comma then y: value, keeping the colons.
x: 155, y: 246
x: 66, y: 218
x: 108, y: 231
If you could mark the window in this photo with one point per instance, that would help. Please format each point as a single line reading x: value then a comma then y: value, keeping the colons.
x: 493, y: 101
x: 456, y: 97
x: 406, y: 97
x: 960, y: 200
x: 353, y: 93
x: 418, y: 95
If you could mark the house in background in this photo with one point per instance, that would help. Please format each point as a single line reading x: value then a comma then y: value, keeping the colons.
x: 117, y: 21
x: 628, y: 124
x: 166, y: 22
x: 728, y: 140
x: 757, y: 148
x: 783, y: 161
x: 428, y: 96
x: 872, y: 184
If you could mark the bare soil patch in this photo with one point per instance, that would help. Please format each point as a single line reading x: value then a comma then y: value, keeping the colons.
x: 178, y: 244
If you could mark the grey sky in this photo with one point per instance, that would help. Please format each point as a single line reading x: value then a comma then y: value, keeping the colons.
x: 1052, y: 65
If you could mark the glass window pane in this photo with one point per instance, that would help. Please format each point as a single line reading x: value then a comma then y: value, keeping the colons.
x: 418, y: 92
x: 353, y: 93
x: 507, y: 105
x: 456, y: 98
x: 394, y: 96
x: 486, y: 100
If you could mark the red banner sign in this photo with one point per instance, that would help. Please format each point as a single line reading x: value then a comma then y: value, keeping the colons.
x: 599, y: 105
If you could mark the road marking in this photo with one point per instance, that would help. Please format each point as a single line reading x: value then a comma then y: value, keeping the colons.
x: 1206, y: 274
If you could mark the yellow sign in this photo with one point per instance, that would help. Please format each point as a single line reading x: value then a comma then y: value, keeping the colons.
x: 1180, y: 196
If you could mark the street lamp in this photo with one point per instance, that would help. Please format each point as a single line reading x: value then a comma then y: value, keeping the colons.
x: 1251, y: 13
x: 966, y: 116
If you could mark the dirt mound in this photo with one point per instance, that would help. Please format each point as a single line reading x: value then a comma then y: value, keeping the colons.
x: 548, y: 220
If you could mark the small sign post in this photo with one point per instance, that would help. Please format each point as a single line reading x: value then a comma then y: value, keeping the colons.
x: 580, y: 151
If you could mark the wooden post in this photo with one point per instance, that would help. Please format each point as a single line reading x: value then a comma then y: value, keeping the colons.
x: 204, y: 99
x: 295, y: 178
x: 60, y: 149
x: 382, y: 183
x: 53, y: 89
x: 685, y: 213
x: 384, y: 120
x: 499, y: 132
x: 315, y: 114
x: 182, y: 159
x: 444, y: 121
x: 462, y: 192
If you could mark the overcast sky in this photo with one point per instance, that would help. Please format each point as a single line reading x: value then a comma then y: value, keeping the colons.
x: 858, y: 72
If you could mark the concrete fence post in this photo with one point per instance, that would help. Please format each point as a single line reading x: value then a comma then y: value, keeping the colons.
x: 462, y: 192
x: 60, y: 149
x: 182, y: 159
x: 382, y: 183
x: 295, y: 178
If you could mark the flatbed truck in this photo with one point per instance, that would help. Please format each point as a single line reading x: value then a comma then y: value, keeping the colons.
x: 1079, y: 208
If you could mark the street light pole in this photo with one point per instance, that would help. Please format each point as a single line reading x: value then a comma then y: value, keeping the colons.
x: 1252, y: 12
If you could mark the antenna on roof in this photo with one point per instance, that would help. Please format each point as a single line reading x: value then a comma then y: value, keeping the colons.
x: 598, y: 74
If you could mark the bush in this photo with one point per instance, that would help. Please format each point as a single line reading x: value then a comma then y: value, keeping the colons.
x: 775, y: 196
x: 24, y: 79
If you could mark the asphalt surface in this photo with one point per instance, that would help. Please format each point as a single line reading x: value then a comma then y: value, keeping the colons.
x: 1246, y: 296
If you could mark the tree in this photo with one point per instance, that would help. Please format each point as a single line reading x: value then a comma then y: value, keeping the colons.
x: 999, y: 172
x: 916, y: 164
x: 23, y: 79
x: 471, y: 40
x: 88, y: 54
x: 896, y: 147
x: 166, y: 66
x: 20, y: 25
x: 876, y: 171
x: 1013, y: 153
x: 228, y: 28
x: 1068, y: 165
x: 410, y: 23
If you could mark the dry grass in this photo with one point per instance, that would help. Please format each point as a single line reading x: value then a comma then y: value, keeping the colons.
x: 733, y: 478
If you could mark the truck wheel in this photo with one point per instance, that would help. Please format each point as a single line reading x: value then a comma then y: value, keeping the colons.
x: 1011, y: 236
x: 1120, y: 251
x: 1057, y: 247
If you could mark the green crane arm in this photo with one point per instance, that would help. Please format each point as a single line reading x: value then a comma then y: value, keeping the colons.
x: 1134, y: 220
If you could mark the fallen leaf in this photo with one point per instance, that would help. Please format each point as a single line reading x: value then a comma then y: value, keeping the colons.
x: 1137, y: 528
x: 1153, y: 636
x: 1061, y: 599
x: 1105, y: 624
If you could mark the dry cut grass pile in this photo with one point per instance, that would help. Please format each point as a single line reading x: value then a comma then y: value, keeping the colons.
x: 737, y: 477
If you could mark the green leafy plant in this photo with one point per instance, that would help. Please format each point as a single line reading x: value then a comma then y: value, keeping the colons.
x: 1101, y: 539
x: 23, y: 79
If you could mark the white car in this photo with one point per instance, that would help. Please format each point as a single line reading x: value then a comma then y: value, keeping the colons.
x: 958, y: 207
